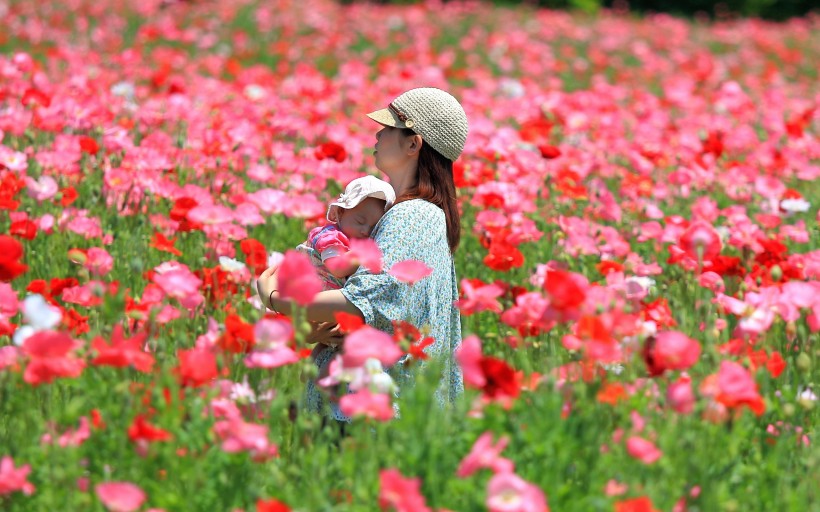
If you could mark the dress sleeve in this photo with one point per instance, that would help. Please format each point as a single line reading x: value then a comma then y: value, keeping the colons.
x: 403, y: 233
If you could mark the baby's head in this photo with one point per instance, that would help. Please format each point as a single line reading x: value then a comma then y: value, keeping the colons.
x: 360, y: 207
x: 359, y: 221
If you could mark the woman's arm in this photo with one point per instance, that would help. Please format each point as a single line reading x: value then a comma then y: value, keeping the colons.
x: 322, y: 309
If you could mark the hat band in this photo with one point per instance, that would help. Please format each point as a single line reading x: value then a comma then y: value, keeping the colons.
x: 398, y: 113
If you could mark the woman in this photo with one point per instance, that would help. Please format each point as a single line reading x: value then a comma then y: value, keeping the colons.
x: 424, y: 131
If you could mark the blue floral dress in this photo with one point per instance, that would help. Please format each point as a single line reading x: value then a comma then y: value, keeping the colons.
x: 410, y: 230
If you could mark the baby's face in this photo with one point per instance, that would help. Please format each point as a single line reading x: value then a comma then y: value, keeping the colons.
x: 358, y: 222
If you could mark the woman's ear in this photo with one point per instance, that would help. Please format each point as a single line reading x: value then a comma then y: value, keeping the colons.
x: 414, y: 143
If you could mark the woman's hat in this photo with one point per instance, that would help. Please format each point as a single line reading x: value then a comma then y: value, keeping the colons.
x: 432, y: 113
x: 357, y: 191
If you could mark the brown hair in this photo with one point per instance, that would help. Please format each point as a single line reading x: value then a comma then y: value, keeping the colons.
x: 435, y: 184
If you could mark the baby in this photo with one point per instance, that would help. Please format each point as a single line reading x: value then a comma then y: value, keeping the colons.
x: 352, y: 215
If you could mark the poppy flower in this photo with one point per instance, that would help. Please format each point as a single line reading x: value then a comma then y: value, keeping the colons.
x: 11, y: 251
x: 399, y: 493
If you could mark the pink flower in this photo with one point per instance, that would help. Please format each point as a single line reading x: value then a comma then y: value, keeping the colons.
x: 737, y: 388
x: 271, y: 358
x: 14, y: 479
x: 680, y: 396
x: 507, y: 492
x: 270, y: 333
x: 177, y: 281
x: 485, y: 455
x: 643, y: 450
x: 120, y: 496
x: 8, y: 300
x: 673, y: 350
x: 238, y: 436
x: 298, y: 280
x: 367, y: 253
x: 98, y: 261
x: 42, y: 188
x: 712, y: 281
x: 72, y: 437
x: 468, y: 355
x: 210, y: 214
x: 366, y: 343
x: 399, y: 493
x: 615, y: 488
x: 479, y: 298
x: 410, y: 271
x: 365, y: 403
x: 700, y: 241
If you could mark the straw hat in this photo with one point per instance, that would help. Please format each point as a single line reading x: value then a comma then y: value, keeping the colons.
x: 432, y: 113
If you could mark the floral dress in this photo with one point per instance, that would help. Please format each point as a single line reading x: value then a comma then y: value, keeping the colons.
x: 410, y: 230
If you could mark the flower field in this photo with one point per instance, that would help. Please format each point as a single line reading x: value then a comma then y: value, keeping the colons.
x: 640, y: 265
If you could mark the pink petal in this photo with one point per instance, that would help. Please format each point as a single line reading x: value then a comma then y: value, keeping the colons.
x: 298, y: 279
x: 120, y: 496
x: 410, y: 271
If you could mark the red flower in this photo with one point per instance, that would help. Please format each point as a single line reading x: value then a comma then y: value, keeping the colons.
x: 197, y: 366
x: 256, y: 256
x: 161, y: 243
x: 123, y: 352
x: 503, y: 257
x: 642, y: 504
x: 141, y: 431
x: 549, y: 152
x: 88, y: 145
x: 238, y: 337
x: 179, y: 213
x: 564, y: 291
x: 67, y: 196
x: 10, y: 253
x: 331, y: 150
x: 271, y: 505
x: 51, y: 358
x: 417, y: 350
x: 23, y: 229
x: 658, y: 311
x: 502, y: 380
x: 347, y: 322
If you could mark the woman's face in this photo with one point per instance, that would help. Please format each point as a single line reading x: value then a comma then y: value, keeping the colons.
x: 391, y: 152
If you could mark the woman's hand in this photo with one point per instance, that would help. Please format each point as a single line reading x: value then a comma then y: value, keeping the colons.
x: 326, y: 333
x: 266, y: 283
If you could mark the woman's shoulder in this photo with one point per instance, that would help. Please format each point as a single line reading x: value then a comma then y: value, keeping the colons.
x: 415, y: 209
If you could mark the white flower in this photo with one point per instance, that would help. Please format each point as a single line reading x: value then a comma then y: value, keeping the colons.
x: 124, y: 90
x: 255, y: 92
x: 39, y: 315
x: 806, y: 394
x: 795, y: 205
x: 231, y: 265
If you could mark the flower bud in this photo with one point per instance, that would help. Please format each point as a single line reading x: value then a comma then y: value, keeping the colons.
x: 803, y: 363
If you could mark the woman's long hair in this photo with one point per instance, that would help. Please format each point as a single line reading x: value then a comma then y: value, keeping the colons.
x: 435, y: 184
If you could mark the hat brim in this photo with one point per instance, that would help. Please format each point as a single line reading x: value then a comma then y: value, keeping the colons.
x: 387, y: 117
